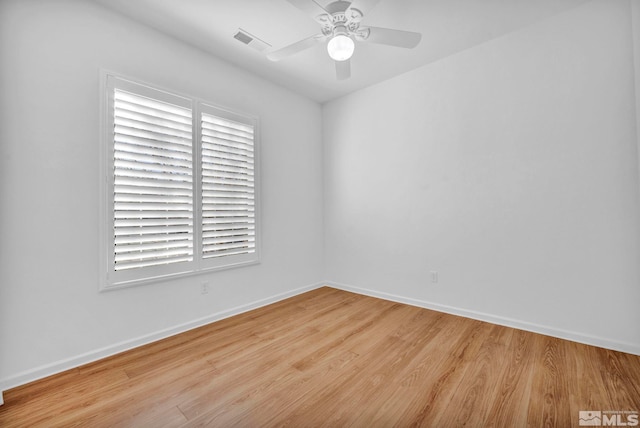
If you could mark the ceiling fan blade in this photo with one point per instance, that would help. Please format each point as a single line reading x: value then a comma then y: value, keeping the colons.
x: 343, y: 69
x: 295, y: 47
x: 399, y: 38
x: 309, y: 7
x: 364, y: 6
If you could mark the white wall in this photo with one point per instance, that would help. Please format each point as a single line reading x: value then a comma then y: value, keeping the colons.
x: 51, y: 314
x: 635, y: 20
x: 511, y: 169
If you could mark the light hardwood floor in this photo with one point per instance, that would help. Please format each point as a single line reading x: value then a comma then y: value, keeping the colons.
x: 333, y: 358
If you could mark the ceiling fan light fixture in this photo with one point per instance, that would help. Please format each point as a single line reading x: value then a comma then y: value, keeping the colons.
x: 340, y: 47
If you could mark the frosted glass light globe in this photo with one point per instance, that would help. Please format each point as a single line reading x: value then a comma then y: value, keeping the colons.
x: 340, y: 47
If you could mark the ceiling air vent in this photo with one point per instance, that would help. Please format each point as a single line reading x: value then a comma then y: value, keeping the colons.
x: 251, y: 40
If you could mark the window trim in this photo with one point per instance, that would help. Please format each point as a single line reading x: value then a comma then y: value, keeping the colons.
x: 199, y: 265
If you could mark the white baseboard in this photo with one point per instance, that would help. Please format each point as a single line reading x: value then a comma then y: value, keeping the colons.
x: 601, y: 342
x: 88, y: 357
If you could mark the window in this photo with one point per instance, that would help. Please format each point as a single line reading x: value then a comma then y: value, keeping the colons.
x: 179, y: 192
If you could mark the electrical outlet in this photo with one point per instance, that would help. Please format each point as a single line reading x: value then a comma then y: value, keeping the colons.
x: 204, y: 288
x: 434, y: 277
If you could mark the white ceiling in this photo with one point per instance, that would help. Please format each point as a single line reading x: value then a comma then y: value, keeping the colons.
x: 447, y: 27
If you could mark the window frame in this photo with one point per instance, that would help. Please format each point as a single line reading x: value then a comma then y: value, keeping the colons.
x: 110, y: 278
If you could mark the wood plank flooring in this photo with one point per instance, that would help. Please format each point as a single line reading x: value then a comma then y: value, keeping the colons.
x: 333, y: 358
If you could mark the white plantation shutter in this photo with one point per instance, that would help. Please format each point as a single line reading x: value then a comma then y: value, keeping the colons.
x: 160, y: 220
x: 153, y: 176
x: 228, y: 184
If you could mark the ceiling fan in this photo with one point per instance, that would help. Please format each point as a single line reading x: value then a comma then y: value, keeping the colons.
x: 340, y: 23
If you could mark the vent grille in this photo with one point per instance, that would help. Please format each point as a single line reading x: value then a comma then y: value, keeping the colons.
x: 251, y: 40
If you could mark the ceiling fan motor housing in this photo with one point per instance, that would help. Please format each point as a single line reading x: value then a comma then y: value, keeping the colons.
x: 340, y: 20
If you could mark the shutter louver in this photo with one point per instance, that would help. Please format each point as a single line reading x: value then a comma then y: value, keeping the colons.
x: 153, y: 182
x: 228, y: 191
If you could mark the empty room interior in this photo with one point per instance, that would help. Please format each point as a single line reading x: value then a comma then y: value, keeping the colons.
x: 312, y: 213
